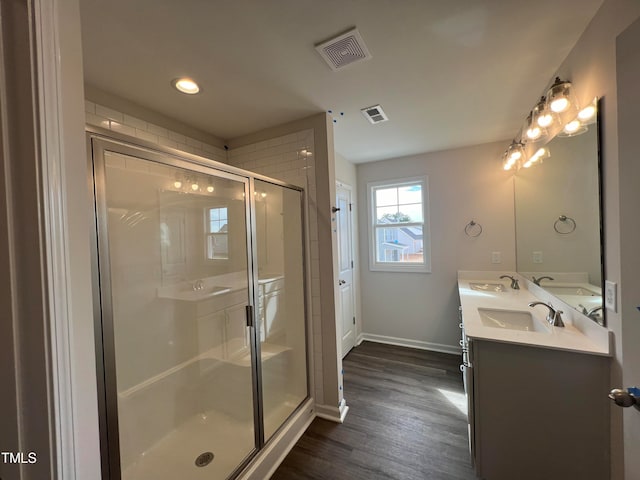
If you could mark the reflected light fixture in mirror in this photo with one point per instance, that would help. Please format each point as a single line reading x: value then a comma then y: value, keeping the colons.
x: 513, y: 155
x: 537, y: 157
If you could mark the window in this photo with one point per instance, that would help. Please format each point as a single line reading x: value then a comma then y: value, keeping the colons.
x: 216, y: 234
x: 399, y: 231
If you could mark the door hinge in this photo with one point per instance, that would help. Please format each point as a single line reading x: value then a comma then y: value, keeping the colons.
x: 351, y: 263
x: 350, y: 206
x: 354, y: 320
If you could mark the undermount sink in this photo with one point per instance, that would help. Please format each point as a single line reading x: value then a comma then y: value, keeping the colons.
x: 488, y: 287
x: 570, y: 290
x: 511, y: 320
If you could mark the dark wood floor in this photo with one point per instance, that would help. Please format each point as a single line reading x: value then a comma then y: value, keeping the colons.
x: 399, y: 426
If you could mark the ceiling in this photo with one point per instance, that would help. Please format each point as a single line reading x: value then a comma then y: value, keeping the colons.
x: 447, y: 73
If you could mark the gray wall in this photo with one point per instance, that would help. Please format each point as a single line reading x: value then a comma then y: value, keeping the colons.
x: 591, y: 66
x: 464, y: 184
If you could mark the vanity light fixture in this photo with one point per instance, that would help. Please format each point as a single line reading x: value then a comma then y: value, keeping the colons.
x: 532, y: 130
x: 195, y: 187
x: 210, y: 189
x: 186, y: 85
x: 541, y: 114
x: 558, y: 110
x: 560, y: 96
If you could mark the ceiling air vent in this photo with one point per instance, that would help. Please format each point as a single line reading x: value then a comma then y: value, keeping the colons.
x: 374, y: 114
x: 344, y: 50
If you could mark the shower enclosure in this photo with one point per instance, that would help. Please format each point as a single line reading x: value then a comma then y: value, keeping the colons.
x: 201, y: 330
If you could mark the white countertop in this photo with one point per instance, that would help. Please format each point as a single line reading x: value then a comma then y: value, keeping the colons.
x: 580, y: 334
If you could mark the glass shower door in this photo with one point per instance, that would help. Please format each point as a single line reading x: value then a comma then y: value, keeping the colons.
x: 281, y: 306
x: 174, y: 280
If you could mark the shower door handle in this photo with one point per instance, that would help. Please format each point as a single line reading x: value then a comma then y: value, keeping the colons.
x: 249, y: 312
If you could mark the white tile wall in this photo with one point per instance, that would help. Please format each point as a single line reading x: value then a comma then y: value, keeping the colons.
x: 106, y: 117
x: 290, y: 158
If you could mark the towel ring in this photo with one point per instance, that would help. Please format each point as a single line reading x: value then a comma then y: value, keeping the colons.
x: 563, y: 219
x: 473, y: 229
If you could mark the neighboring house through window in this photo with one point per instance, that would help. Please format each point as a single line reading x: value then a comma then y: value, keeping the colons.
x: 399, y: 232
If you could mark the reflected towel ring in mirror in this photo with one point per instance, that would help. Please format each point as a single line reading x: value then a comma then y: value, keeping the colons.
x: 473, y: 229
x: 564, y: 225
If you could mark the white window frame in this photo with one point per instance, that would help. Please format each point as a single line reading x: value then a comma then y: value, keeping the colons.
x: 208, y: 234
x: 408, y: 267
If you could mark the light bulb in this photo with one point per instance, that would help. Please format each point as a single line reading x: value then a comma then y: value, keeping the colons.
x: 534, y: 132
x: 545, y: 120
x: 587, y: 113
x: 186, y: 85
x: 263, y: 194
x: 210, y: 189
x: 515, y: 156
x: 559, y: 104
x: 194, y: 186
x: 572, y: 126
x: 177, y: 184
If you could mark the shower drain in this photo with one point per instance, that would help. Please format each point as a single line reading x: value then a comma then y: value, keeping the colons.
x: 204, y: 459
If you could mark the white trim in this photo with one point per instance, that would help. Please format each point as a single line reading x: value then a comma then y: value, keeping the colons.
x: 67, y: 233
x: 333, y: 414
x: 406, y: 342
x: 54, y: 209
x: 406, y: 267
x: 269, y: 459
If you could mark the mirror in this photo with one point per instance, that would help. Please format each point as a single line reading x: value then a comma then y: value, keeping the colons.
x: 558, y: 220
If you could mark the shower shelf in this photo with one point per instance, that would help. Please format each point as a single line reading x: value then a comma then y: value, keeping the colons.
x: 268, y: 351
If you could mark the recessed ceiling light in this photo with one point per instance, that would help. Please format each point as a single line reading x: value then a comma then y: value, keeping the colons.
x: 186, y: 85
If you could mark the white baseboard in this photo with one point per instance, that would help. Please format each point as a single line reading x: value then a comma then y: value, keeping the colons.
x: 405, y: 342
x: 269, y: 459
x: 334, y: 414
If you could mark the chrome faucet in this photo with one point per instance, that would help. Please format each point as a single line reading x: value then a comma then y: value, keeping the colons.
x: 554, y: 316
x: 538, y: 280
x: 514, y: 281
x: 197, y: 285
x: 590, y: 313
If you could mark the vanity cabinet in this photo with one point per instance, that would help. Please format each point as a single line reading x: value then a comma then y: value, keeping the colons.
x: 270, y: 301
x: 537, y: 413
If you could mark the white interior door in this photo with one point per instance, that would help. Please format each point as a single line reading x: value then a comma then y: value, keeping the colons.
x: 345, y: 273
